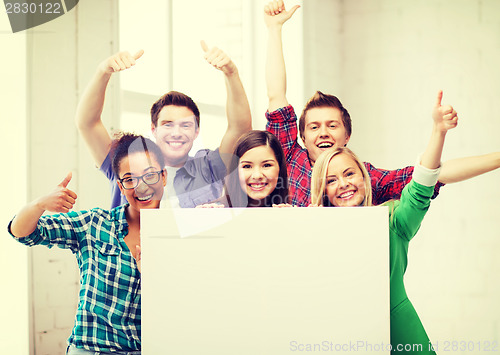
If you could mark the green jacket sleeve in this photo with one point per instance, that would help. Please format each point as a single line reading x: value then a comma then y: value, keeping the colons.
x: 409, y: 213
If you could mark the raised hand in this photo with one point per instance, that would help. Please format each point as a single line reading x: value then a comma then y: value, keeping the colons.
x: 61, y: 199
x: 210, y: 205
x: 275, y: 13
x: 218, y: 59
x: 282, y: 205
x: 120, y: 61
x: 444, y: 116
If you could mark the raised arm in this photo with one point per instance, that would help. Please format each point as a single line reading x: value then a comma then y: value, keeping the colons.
x: 275, y: 15
x: 239, y: 118
x: 389, y: 185
x: 461, y: 169
x: 445, y: 118
x: 61, y: 199
x: 415, y: 199
x: 89, y: 110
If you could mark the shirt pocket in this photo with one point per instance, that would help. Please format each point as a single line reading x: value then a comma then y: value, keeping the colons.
x: 108, y: 258
x: 204, y: 194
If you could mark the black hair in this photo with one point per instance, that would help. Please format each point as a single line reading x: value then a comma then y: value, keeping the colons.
x: 127, y: 143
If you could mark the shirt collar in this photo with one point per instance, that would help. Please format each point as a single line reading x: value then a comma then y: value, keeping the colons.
x: 118, y: 214
x: 189, y: 167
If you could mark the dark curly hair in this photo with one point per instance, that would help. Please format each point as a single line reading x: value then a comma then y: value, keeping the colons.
x: 127, y: 143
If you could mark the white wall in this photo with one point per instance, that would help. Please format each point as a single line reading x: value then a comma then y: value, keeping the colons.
x: 14, y: 328
x: 394, y: 57
x: 323, y: 54
x: 384, y: 59
x: 42, y: 77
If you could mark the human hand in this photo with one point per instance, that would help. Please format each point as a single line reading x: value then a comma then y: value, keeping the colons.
x: 120, y: 61
x: 275, y: 13
x: 138, y: 257
x: 282, y: 205
x: 210, y: 205
x: 218, y: 59
x: 61, y: 199
x: 444, y: 116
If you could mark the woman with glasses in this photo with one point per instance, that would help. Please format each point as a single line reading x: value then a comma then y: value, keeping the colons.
x: 106, y: 246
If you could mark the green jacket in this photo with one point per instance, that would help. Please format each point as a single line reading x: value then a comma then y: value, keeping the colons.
x: 407, y: 332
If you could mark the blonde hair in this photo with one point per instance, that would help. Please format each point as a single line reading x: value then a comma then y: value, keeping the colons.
x: 318, y: 179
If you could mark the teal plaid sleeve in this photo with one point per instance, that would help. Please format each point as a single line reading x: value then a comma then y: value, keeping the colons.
x: 108, y: 315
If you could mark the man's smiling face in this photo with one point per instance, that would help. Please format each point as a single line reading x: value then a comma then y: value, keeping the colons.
x: 323, y: 130
x: 175, y: 133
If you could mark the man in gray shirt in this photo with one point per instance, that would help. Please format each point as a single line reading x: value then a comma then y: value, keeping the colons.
x: 175, y: 123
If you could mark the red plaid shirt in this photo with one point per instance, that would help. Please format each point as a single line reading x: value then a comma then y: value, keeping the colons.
x: 386, y: 184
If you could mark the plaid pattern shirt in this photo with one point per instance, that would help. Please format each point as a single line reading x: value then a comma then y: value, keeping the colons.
x: 108, y: 317
x: 386, y: 184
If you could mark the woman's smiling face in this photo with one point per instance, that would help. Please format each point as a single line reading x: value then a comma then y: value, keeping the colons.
x: 143, y: 195
x: 258, y: 172
x: 345, y: 185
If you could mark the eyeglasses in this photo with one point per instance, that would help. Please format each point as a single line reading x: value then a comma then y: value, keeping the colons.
x: 131, y: 182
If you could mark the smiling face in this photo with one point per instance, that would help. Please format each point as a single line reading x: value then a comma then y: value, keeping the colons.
x: 175, y: 133
x: 258, y: 172
x: 143, y: 195
x: 345, y: 185
x: 324, y: 129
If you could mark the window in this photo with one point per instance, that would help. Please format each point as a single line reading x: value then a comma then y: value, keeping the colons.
x: 170, y: 33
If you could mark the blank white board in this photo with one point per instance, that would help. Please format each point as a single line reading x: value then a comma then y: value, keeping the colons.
x: 265, y: 281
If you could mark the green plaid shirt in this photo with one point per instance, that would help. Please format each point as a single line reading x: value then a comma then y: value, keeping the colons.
x: 108, y: 317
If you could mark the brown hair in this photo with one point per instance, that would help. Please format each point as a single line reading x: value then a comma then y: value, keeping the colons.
x: 323, y: 100
x: 174, y: 98
x: 236, y: 197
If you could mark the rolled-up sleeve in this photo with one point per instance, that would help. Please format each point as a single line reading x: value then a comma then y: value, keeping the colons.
x: 61, y: 230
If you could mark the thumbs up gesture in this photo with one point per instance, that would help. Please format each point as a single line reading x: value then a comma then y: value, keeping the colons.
x: 275, y: 13
x: 444, y: 116
x: 218, y: 59
x: 120, y: 61
x: 61, y: 199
